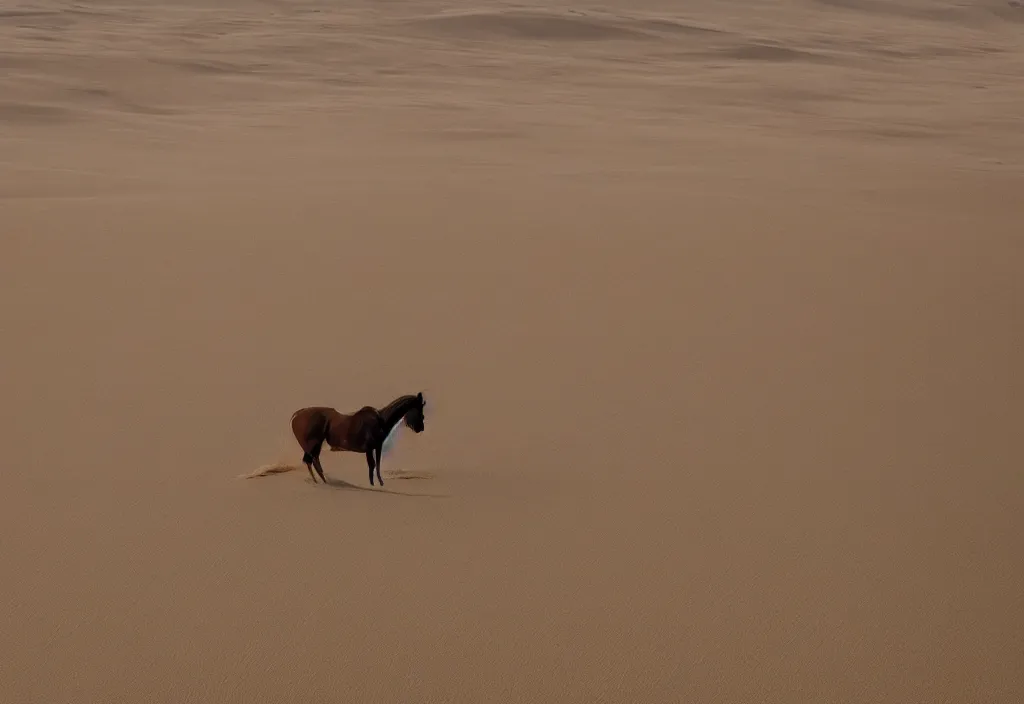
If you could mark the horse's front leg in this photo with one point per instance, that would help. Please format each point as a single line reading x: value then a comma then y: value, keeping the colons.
x: 379, y: 448
x: 369, y: 462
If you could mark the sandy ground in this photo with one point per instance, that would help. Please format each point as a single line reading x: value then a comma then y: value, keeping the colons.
x: 717, y: 307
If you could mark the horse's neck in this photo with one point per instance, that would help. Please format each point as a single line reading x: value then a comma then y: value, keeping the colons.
x: 395, y: 411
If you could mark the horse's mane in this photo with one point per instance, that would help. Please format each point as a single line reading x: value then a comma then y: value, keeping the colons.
x: 385, y: 412
x: 390, y: 408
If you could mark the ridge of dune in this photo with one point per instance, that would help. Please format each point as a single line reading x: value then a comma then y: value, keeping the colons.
x: 569, y: 25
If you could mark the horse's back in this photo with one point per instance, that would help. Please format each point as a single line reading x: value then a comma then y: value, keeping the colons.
x: 311, y: 421
x: 314, y: 424
x: 304, y: 414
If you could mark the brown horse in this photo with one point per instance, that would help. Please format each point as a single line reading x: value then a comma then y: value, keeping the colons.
x: 364, y: 431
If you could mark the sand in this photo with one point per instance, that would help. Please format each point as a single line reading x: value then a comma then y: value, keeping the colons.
x: 716, y: 306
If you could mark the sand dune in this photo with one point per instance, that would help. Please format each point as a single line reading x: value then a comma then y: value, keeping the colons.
x: 716, y: 306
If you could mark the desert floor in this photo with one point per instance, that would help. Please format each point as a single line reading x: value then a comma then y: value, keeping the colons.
x: 718, y: 309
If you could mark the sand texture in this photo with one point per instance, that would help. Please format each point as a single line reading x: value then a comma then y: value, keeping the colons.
x: 718, y: 309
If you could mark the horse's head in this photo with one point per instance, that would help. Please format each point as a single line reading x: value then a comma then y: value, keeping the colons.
x: 414, y: 418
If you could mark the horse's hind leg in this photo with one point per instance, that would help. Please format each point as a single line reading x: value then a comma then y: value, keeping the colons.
x: 315, y: 456
x: 307, y: 459
x: 319, y: 469
x: 312, y: 459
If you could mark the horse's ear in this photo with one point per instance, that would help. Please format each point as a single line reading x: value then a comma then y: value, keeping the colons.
x: 419, y: 397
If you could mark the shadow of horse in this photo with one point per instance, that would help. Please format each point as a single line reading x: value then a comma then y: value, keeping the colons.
x: 342, y: 484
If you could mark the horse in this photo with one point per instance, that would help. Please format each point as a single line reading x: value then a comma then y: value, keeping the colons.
x: 365, y: 430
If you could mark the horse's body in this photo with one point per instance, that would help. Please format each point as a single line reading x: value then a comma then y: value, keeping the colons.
x: 363, y: 431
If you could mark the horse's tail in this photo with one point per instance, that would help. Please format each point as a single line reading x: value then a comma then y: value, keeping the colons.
x: 268, y: 469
